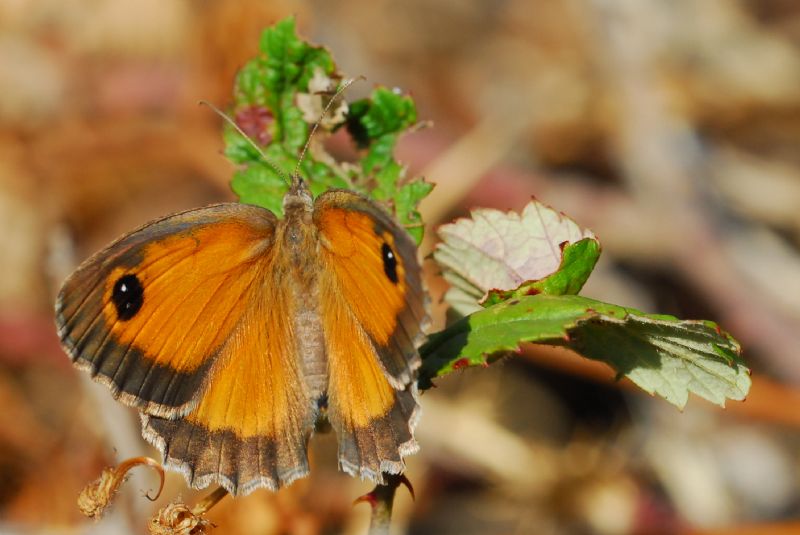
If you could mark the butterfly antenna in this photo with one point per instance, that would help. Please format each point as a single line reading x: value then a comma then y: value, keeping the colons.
x: 280, y: 172
x: 345, y: 85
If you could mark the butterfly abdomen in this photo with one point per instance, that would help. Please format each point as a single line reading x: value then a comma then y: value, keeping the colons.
x: 311, y: 345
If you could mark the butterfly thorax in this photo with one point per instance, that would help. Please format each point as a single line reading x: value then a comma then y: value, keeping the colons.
x: 297, y: 232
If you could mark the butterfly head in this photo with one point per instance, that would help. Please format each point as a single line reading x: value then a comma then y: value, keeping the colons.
x: 298, y: 197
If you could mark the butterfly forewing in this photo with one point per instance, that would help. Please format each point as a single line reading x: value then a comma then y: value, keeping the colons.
x: 374, y: 261
x: 148, y: 315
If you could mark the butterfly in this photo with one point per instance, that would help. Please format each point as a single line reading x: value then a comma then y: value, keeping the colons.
x: 233, y: 332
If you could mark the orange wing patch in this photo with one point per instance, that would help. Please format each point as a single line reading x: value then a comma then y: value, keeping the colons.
x: 357, y: 387
x: 257, y: 388
x: 358, y: 264
x: 252, y: 424
x: 375, y: 268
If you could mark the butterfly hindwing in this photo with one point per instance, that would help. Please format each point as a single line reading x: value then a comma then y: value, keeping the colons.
x: 148, y: 315
x: 373, y: 420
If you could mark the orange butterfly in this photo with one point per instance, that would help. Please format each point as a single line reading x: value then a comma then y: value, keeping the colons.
x: 233, y: 332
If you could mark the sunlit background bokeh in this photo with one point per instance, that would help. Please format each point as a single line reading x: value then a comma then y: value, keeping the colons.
x: 671, y: 129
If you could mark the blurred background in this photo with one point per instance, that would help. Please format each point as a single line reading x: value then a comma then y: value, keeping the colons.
x: 671, y: 129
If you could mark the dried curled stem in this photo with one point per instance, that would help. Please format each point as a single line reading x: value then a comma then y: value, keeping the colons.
x: 180, y: 519
x: 95, y: 498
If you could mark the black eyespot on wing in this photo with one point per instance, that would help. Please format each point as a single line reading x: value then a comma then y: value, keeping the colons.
x: 389, y: 262
x: 127, y: 296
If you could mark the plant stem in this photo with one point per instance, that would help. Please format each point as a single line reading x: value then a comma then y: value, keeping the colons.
x: 381, y: 499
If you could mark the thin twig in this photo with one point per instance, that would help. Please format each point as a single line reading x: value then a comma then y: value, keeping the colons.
x: 203, y: 506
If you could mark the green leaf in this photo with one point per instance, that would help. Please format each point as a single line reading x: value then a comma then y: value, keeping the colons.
x: 577, y: 262
x: 513, y: 254
x: 375, y: 123
x: 249, y: 89
x: 275, y: 77
x: 289, y: 63
x: 278, y: 96
x: 406, y: 200
x: 295, y: 129
x: 237, y: 149
x: 386, y: 176
x: 385, y: 112
x: 661, y: 354
x: 258, y: 184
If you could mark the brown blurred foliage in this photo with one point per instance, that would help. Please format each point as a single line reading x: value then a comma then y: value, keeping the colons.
x: 672, y: 129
